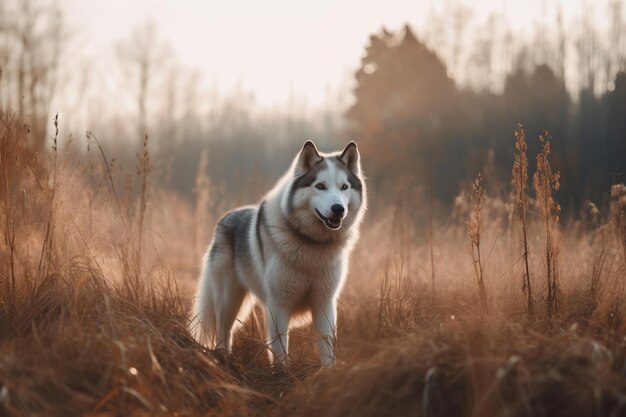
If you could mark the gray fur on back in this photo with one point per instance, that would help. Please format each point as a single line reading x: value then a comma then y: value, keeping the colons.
x: 232, y: 233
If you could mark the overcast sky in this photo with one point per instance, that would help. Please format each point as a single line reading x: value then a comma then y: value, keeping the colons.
x: 270, y: 48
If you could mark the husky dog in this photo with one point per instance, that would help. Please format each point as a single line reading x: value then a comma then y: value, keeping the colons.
x: 290, y: 252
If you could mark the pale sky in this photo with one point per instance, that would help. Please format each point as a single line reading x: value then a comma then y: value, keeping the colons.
x: 271, y: 48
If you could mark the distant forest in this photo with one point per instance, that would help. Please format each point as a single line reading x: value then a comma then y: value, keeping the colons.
x: 415, y: 124
x: 426, y: 106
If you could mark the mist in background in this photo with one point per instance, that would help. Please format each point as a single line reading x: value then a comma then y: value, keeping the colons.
x: 431, y: 91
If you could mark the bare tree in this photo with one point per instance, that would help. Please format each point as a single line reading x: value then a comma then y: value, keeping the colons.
x: 460, y: 16
x: 615, y: 54
x: 480, y: 66
x: 561, y: 45
x: 586, y: 48
x: 142, y: 56
x: 32, y: 36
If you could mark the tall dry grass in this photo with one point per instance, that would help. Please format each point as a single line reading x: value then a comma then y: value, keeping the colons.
x: 520, y: 188
x: 96, y: 286
x: 546, y: 183
x: 474, y: 225
x: 73, y: 339
x: 618, y: 192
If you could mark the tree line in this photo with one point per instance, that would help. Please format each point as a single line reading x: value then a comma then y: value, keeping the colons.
x: 433, y: 108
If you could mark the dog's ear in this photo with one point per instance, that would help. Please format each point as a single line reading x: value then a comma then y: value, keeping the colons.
x: 350, y: 156
x: 308, y: 157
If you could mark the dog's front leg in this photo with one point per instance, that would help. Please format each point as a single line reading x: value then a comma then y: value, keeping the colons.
x: 278, y: 333
x: 325, y: 321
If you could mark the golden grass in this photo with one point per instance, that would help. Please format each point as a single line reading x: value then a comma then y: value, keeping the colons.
x: 96, y: 287
x: 520, y: 205
x: 473, y: 226
x: 546, y: 183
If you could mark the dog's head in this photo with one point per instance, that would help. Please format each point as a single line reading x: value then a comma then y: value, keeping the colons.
x: 328, y: 189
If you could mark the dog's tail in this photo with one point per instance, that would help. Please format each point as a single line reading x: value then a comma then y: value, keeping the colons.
x: 203, y: 324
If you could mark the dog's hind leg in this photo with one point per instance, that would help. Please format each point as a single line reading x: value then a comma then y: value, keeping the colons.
x: 218, y: 301
x: 203, y: 324
x: 228, y: 307
x: 277, y: 319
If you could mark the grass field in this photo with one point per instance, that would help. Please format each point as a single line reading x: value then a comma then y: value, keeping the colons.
x: 96, y: 281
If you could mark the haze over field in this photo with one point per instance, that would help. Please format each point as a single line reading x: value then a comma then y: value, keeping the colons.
x: 451, y: 75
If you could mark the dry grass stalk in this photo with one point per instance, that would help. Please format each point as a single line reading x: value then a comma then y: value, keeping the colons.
x: 133, y: 252
x: 431, y: 237
x: 618, y: 191
x: 11, y: 164
x: 396, y: 301
x: 47, y: 258
x: 143, y: 172
x: 546, y: 182
x: 597, y: 268
x: 91, y: 137
x: 520, y: 188
x: 473, y: 227
x: 202, y: 191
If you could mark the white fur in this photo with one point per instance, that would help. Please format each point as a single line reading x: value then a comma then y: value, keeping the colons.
x: 288, y: 275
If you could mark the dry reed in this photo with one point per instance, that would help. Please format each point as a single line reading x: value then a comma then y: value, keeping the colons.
x: 520, y: 188
x: 473, y: 226
x: 546, y: 183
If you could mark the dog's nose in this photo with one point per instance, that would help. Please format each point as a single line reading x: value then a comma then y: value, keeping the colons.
x: 337, y: 209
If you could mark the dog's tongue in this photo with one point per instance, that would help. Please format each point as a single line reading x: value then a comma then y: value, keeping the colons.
x: 334, y: 222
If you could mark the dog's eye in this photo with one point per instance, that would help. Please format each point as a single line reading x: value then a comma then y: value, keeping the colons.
x: 344, y: 187
x: 320, y: 186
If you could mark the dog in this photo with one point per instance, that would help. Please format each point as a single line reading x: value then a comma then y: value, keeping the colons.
x: 290, y: 252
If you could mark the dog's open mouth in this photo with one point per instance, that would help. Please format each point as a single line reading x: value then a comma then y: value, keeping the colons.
x: 331, y: 223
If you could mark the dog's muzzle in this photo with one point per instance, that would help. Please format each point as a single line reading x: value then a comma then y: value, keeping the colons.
x: 332, y: 223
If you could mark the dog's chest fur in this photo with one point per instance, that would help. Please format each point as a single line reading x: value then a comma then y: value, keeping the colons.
x: 288, y: 268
